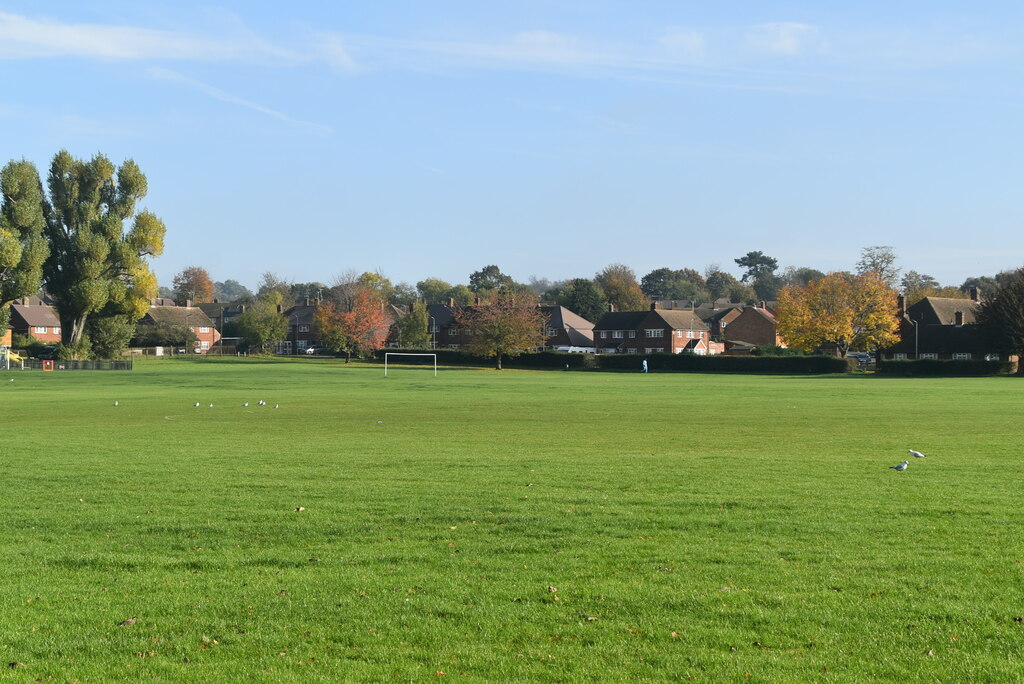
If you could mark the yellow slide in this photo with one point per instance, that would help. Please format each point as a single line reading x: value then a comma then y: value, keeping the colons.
x: 14, y: 357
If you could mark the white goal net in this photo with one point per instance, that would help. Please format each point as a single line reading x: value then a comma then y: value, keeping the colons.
x: 387, y: 359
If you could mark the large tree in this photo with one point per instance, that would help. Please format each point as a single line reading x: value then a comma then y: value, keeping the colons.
x: 231, y: 291
x: 489, y: 279
x: 361, y: 330
x: 880, y: 259
x: 507, y: 326
x: 839, y: 310
x: 262, y: 323
x: 194, y: 285
x: 666, y: 283
x: 95, y: 264
x: 583, y: 297
x: 618, y: 282
x: 725, y: 285
x: 23, y: 247
x: 1002, y: 315
x: 411, y: 329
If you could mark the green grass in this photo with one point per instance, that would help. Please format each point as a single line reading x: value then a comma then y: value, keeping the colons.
x: 710, y: 527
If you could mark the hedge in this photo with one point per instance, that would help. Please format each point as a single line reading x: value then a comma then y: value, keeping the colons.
x: 789, y: 365
x: 938, y: 367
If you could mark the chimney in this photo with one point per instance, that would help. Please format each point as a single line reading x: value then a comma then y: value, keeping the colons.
x: 761, y: 305
x: 958, y: 317
x: 188, y: 303
x: 451, y: 302
x: 901, y: 306
x: 654, y: 306
x: 307, y: 301
x: 975, y: 294
x: 611, y: 308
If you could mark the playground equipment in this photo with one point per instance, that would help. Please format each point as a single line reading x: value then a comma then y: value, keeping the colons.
x: 8, y: 356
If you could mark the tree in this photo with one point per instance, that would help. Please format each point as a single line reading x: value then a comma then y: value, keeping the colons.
x: 165, y: 335
x: 23, y: 247
x: 583, y: 297
x: 756, y: 265
x: 881, y: 260
x: 270, y: 282
x: 193, y: 284
x: 489, y: 279
x: 434, y: 290
x: 361, y: 331
x: 665, y: 283
x: 94, y: 264
x: 1001, y: 316
x: 840, y: 310
x: 618, y: 282
x: 262, y: 323
x: 411, y: 329
x: 509, y: 325
x: 724, y: 285
x: 231, y: 291
x: 799, y: 276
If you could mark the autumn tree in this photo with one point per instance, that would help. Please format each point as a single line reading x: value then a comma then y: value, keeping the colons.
x: 839, y: 310
x: 194, y: 285
x: 508, y: 326
x: 583, y: 297
x: 360, y: 331
x: 1001, y: 316
x: 620, y: 288
x: 95, y: 264
x: 262, y: 323
x: 23, y: 247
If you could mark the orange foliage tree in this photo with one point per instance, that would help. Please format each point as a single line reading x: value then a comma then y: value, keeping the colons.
x: 360, y: 331
x: 840, y: 310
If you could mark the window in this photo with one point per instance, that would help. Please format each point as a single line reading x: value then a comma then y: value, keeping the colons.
x: 632, y: 333
x: 204, y: 345
x: 679, y: 333
x: 604, y: 335
x: 617, y: 334
x: 899, y: 356
x: 41, y: 331
x: 929, y: 355
x: 631, y: 350
x: 56, y: 331
x: 453, y: 332
x: 962, y: 356
x: 453, y: 346
x: 204, y: 328
x: 303, y: 344
x: 654, y: 332
x: 302, y: 328
x: 689, y: 334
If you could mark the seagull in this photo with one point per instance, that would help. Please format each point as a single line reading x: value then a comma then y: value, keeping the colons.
x: 115, y: 403
x: 196, y: 404
x: 261, y: 403
x: 246, y: 404
x: 211, y: 405
x: 917, y: 454
x: 277, y: 406
x: 901, y: 467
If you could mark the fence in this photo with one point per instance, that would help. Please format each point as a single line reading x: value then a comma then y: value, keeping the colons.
x: 36, y: 364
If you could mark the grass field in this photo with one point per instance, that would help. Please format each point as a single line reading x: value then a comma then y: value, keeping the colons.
x: 556, y: 526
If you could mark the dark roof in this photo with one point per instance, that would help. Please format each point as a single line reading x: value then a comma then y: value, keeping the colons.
x: 441, y: 313
x: 942, y: 339
x: 942, y: 310
x: 177, y: 315
x: 580, y: 338
x: 225, y: 310
x: 560, y: 317
x: 302, y: 313
x: 682, y: 320
x: 621, y: 320
x: 35, y: 315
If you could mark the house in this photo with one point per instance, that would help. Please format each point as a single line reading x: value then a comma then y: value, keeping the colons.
x: 222, y: 313
x: 302, y: 331
x: 655, y: 331
x: 754, y: 326
x: 941, y: 328
x: 32, y: 316
x: 563, y: 330
x: 718, y: 315
x: 206, y: 333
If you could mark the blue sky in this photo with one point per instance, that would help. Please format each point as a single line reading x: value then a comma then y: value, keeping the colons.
x: 429, y: 139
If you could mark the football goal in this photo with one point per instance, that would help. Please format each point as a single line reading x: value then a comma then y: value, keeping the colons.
x: 387, y: 356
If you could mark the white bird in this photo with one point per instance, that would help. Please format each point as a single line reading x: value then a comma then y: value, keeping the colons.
x: 115, y: 403
x: 277, y: 406
x: 196, y: 404
x: 261, y: 402
x: 211, y: 405
x: 901, y: 467
x: 917, y: 454
x: 245, y: 404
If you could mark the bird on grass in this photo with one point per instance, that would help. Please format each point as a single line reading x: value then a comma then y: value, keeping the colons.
x: 277, y: 406
x: 211, y: 405
x: 901, y: 467
x: 196, y: 404
x: 916, y: 454
x: 115, y: 403
x: 246, y: 404
x: 261, y: 403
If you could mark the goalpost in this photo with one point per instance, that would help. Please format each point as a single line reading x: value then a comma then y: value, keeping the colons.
x: 387, y: 354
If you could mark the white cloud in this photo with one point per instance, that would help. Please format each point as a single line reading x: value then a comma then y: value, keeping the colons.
x: 223, y: 96
x: 785, y: 38
x: 25, y: 38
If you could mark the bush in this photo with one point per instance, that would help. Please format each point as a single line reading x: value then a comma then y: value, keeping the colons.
x: 789, y: 365
x: 947, y: 368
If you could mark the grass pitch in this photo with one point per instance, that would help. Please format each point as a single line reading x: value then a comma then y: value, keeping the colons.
x: 557, y: 526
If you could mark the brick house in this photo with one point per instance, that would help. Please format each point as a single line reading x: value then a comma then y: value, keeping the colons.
x: 195, y: 318
x: 655, y: 331
x: 302, y: 331
x: 31, y: 316
x: 754, y: 326
x: 941, y: 328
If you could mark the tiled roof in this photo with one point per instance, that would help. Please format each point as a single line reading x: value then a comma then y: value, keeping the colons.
x: 682, y: 320
x: 560, y: 317
x: 37, y: 315
x: 621, y: 320
x: 178, y: 315
x: 942, y: 310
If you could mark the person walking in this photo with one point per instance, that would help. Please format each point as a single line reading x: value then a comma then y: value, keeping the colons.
x: 645, y: 366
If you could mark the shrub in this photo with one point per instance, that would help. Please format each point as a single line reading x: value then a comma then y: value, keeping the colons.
x: 948, y: 368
